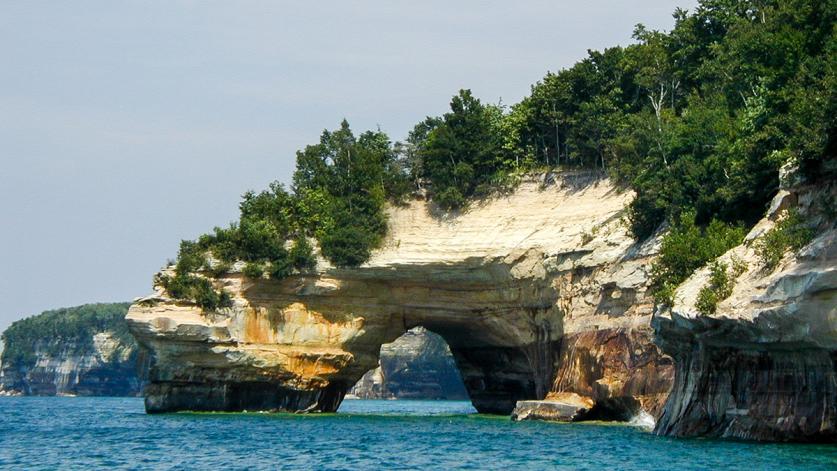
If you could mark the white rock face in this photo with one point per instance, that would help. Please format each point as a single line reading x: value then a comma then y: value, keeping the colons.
x: 525, y: 288
x: 761, y: 367
x: 552, y: 220
x: 61, y: 367
x: 798, y: 292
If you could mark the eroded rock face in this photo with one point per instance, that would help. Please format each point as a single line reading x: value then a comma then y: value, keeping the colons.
x: 621, y: 369
x: 105, y: 367
x: 560, y: 407
x: 520, y: 288
x: 764, y: 366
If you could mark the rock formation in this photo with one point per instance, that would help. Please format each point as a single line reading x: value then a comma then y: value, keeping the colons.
x: 764, y: 365
x: 539, y: 291
x: 418, y: 365
x: 96, y: 362
x: 560, y: 407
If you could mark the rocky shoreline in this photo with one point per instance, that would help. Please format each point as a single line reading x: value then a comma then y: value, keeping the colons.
x: 542, y: 296
x: 81, y: 356
x: 764, y: 366
x: 541, y: 291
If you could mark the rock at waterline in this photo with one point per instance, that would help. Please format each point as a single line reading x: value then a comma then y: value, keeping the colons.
x: 565, y: 407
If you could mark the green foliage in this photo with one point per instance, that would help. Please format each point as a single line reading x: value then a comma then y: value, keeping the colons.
x: 340, y: 187
x: 253, y: 270
x: 700, y: 118
x: 260, y: 240
x: 218, y: 270
x: 646, y: 212
x: 738, y: 267
x: 410, y: 153
x: 280, y: 268
x: 352, y: 189
x: 463, y: 150
x: 346, y: 246
x: 274, y: 206
x: 52, y: 330
x: 696, y: 121
x: 502, y: 182
x: 313, y: 213
x: 302, y: 255
x: 720, y: 285
x: 687, y: 247
x: 196, y: 289
x: 449, y: 198
x: 190, y: 258
x: 790, y: 233
x: 223, y: 243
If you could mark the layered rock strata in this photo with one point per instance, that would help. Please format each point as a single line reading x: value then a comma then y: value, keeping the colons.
x: 535, y: 292
x: 764, y: 365
x: 104, y: 366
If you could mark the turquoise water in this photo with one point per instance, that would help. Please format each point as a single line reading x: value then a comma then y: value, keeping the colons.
x: 83, y: 433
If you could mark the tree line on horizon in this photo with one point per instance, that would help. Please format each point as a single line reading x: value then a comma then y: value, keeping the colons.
x: 65, y: 331
x: 697, y: 121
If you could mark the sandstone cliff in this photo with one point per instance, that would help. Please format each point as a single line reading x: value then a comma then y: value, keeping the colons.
x: 764, y: 365
x: 540, y: 291
x: 80, y: 351
x: 418, y: 365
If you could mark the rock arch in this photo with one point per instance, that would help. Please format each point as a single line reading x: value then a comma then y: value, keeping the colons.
x: 536, y: 293
x: 305, y: 341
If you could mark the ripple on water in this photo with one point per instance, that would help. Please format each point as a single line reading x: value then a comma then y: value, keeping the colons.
x: 114, y: 433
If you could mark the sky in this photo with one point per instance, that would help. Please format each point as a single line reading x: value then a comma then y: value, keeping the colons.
x: 128, y: 126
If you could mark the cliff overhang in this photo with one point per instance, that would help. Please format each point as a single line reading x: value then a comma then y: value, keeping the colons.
x: 536, y: 292
x: 764, y: 365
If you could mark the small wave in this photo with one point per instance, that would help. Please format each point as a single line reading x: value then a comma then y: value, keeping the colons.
x: 643, y: 420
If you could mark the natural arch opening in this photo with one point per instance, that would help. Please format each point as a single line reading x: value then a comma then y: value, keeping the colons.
x: 528, y: 303
x: 417, y: 365
x: 300, y: 344
x: 495, y: 362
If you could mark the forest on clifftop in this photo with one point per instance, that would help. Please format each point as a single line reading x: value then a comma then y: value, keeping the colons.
x: 697, y: 121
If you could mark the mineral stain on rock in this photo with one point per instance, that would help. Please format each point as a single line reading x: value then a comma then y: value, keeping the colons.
x: 543, y: 300
x: 522, y: 288
x: 764, y: 365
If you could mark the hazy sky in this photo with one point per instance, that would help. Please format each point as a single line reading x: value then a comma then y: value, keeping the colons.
x: 127, y: 126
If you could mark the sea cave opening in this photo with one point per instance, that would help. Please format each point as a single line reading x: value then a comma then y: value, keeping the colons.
x: 417, y: 366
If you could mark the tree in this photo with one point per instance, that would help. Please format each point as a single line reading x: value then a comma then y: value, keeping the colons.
x: 464, y: 150
x: 410, y: 152
x: 354, y: 193
x: 275, y: 205
x: 653, y: 68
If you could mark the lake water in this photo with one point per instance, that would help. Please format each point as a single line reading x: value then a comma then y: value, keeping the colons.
x: 83, y: 433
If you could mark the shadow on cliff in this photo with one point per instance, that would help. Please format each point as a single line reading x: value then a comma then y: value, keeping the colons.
x: 568, y: 182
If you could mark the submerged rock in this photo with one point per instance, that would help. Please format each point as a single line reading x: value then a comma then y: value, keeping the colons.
x: 539, y: 291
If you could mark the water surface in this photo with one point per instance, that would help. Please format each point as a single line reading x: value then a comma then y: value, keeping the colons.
x: 82, y: 433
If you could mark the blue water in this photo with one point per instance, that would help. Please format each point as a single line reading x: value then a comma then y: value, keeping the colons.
x: 84, y: 433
